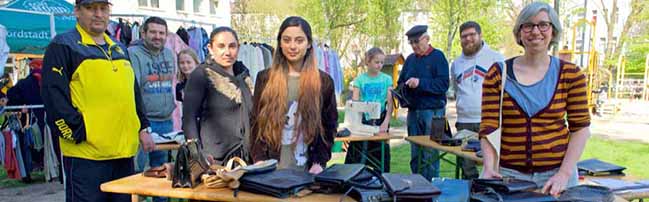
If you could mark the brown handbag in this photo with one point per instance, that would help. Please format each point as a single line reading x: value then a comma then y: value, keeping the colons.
x: 190, y: 165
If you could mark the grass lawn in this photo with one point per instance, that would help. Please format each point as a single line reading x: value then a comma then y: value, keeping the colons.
x: 632, y: 155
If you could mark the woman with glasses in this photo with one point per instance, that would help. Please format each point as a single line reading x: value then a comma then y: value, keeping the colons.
x: 545, y: 117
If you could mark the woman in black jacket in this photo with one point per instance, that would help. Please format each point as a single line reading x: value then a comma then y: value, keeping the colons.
x: 218, y: 97
x: 299, y: 137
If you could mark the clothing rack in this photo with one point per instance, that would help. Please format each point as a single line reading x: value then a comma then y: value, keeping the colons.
x: 260, y: 39
x: 165, y: 18
x: 23, y: 107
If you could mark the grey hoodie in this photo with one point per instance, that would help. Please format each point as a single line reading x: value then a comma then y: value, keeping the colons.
x: 467, y: 75
x: 155, y: 75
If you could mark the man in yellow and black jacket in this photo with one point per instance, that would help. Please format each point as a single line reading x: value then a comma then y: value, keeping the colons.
x: 93, y: 104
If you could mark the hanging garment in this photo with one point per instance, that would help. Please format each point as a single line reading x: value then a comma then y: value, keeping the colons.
x: 259, y: 60
x: 35, y: 129
x: 182, y: 33
x: 112, y: 28
x: 19, y: 156
x: 337, y: 72
x: 135, y: 32
x: 198, y: 40
x: 125, y: 33
x: 26, y: 153
x: 319, y: 53
x: 10, y: 161
x: 268, y: 56
x: 175, y: 43
x: 51, y: 168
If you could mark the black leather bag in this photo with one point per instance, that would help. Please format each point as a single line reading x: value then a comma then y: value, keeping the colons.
x: 507, y: 190
x: 409, y: 187
x: 399, y: 93
x: 280, y: 183
x: 189, y: 166
x: 368, y: 186
x: 596, y: 167
x: 356, y: 180
x: 441, y: 133
x: 338, y: 174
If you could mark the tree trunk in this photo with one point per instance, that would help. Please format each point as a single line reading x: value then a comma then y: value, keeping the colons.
x: 611, y: 22
x: 636, y: 9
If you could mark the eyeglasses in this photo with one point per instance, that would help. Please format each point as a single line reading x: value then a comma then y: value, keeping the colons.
x: 543, y: 26
x: 414, y: 41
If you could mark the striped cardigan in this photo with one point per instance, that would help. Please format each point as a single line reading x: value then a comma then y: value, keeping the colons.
x: 537, y: 143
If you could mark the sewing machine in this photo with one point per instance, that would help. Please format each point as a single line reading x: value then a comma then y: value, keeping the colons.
x: 354, y: 111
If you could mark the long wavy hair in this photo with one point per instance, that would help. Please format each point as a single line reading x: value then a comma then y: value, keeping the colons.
x: 273, y: 104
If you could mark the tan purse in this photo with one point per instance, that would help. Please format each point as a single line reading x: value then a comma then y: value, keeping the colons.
x: 228, y: 176
x: 494, y: 137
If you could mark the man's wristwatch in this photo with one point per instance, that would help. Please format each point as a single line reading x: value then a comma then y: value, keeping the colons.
x: 147, y: 130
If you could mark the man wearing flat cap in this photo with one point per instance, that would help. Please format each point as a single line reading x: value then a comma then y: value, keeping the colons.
x: 425, y: 78
x: 93, y: 105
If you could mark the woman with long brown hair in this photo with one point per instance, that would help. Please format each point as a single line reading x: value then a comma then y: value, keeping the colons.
x: 294, y: 104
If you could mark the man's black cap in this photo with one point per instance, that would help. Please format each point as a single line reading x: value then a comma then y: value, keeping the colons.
x: 416, y: 31
x: 86, y: 2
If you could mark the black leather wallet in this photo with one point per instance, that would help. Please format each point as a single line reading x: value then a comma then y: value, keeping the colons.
x: 280, y: 183
x: 409, y: 187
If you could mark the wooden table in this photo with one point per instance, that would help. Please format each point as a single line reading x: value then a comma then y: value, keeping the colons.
x: 365, y: 151
x: 146, y: 186
x: 424, y: 141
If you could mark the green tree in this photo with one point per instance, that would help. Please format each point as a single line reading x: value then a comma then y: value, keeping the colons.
x: 637, y: 38
x: 350, y: 26
x: 257, y: 20
x: 334, y: 21
x: 383, y: 25
x: 448, y: 15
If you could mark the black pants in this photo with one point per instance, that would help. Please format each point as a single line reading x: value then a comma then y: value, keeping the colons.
x: 354, y: 149
x: 83, y: 178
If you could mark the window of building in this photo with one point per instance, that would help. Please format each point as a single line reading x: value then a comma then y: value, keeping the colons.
x: 197, y: 6
x: 149, y: 3
x: 180, y: 5
x: 213, y: 5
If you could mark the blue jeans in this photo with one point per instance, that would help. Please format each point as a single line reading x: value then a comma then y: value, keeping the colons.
x: 155, y: 158
x: 420, y: 123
